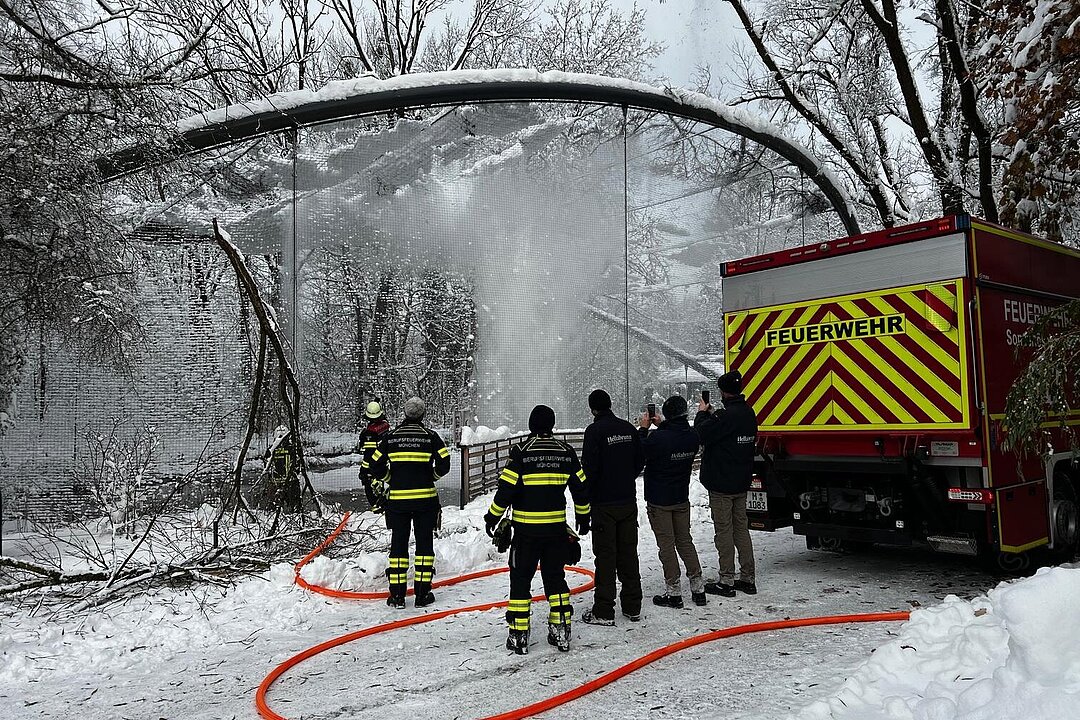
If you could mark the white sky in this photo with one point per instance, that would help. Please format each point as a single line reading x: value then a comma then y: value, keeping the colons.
x: 695, y: 32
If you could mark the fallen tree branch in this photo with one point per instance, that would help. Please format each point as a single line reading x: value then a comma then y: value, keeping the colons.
x: 290, y: 390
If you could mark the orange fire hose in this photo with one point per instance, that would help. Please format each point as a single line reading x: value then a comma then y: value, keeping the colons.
x: 543, y: 705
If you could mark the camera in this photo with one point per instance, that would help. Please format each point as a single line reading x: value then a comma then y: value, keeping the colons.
x: 651, y: 409
x: 705, y: 396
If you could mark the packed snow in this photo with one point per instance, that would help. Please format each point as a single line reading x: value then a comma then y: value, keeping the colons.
x: 482, y: 434
x: 1011, y: 652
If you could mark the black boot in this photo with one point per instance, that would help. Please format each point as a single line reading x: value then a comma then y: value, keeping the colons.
x: 671, y: 601
x: 589, y: 618
x: 518, y: 641
x: 716, y: 588
x: 396, y: 601
x: 425, y: 599
x: 699, y: 598
x: 559, y: 636
x: 747, y: 587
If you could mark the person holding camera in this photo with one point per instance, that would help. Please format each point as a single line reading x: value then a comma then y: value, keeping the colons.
x: 612, y: 457
x: 669, y: 459
x: 729, y: 438
x: 404, y: 467
x: 533, y: 484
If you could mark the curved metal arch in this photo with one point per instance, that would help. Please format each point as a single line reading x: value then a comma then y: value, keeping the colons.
x: 365, y: 96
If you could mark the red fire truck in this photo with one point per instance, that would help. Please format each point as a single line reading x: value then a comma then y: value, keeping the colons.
x: 878, y: 366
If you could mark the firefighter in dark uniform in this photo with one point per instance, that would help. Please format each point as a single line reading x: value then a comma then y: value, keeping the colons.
x: 366, y: 445
x: 728, y: 439
x: 612, y: 457
x: 404, y: 467
x: 533, y: 484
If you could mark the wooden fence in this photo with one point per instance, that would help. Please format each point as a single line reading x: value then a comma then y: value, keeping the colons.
x: 482, y: 463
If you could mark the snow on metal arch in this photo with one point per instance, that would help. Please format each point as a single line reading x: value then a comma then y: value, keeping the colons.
x: 366, y: 95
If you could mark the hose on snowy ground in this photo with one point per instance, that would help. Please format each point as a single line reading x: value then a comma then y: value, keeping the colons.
x: 548, y: 703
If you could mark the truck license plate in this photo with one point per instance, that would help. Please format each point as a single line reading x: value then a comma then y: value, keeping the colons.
x: 757, y: 501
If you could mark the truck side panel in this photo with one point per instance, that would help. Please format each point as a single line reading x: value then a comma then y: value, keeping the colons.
x: 1018, y: 280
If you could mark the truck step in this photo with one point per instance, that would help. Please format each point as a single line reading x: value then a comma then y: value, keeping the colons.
x: 954, y: 545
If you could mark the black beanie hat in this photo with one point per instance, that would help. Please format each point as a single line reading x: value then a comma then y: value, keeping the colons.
x: 674, y: 407
x: 731, y: 382
x: 541, y: 420
x: 599, y: 400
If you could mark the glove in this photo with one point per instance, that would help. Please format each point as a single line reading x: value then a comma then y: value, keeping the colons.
x: 490, y: 521
x: 583, y: 524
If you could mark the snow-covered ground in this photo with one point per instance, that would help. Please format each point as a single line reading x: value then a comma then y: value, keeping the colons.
x: 201, y: 652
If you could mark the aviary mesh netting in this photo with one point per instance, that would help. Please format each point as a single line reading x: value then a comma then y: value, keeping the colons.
x: 487, y: 258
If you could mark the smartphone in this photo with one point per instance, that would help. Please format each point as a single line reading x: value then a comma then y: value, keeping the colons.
x: 651, y: 408
x: 705, y: 396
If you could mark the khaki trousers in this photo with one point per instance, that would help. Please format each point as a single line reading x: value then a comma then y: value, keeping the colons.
x: 671, y: 526
x: 732, y: 532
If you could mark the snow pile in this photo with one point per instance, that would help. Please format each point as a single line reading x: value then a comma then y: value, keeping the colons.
x: 149, y: 631
x: 1012, y: 653
x: 483, y: 434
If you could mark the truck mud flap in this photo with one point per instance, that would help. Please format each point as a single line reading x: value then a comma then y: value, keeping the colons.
x: 1022, y: 516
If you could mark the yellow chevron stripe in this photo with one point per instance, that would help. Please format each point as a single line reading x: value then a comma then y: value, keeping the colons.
x: 863, y: 347
x: 734, y: 322
x: 948, y: 356
x: 782, y: 378
x: 764, y: 318
x: 815, y: 395
x: 859, y: 374
x: 754, y: 321
x: 938, y: 336
x: 869, y: 414
x: 768, y: 365
x: 842, y: 415
x: 796, y: 390
x: 916, y: 334
x: 900, y: 383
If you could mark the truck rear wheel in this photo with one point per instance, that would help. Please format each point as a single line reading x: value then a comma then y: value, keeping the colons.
x: 1065, y: 517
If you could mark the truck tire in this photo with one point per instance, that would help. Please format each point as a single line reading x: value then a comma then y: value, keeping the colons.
x: 1065, y: 517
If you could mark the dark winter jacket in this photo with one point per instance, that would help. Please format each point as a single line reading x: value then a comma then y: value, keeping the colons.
x: 728, y: 439
x: 366, y: 445
x: 612, y: 457
x: 534, y: 484
x: 410, y: 458
x: 370, y: 436
x: 669, y: 459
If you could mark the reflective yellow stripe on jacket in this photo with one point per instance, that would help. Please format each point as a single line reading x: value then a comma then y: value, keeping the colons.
x: 545, y: 478
x: 410, y: 456
x: 539, y: 518
x: 416, y: 494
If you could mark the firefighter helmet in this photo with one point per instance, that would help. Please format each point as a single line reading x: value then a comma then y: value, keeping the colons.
x: 373, y: 411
